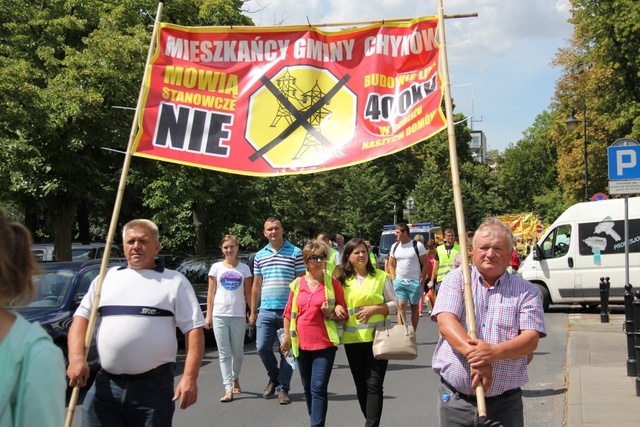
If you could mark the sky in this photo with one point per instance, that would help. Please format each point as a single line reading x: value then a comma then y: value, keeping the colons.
x: 499, y: 62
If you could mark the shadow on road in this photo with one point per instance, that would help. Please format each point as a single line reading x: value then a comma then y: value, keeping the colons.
x: 543, y: 393
x: 578, y: 308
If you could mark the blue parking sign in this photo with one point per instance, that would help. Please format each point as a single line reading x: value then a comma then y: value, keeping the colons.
x: 624, y: 162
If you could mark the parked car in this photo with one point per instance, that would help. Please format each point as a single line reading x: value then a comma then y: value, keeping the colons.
x: 59, y: 290
x: 196, y: 270
x: 79, y: 251
x: 87, y: 251
x: 170, y: 260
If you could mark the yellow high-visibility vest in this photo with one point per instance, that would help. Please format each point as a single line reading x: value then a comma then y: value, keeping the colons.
x: 446, y: 261
x: 374, y: 259
x: 330, y: 263
x: 331, y: 325
x: 371, y: 292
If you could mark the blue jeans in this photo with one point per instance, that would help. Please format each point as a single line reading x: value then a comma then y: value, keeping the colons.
x: 315, y: 370
x: 229, y: 333
x: 269, y: 321
x: 147, y: 402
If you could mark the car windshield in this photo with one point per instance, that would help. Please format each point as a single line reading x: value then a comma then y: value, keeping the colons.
x: 85, y: 254
x: 386, y: 241
x: 196, y: 270
x: 50, y: 289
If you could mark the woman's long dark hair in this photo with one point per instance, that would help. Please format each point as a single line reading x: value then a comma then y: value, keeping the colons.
x: 347, y: 271
x: 17, y: 263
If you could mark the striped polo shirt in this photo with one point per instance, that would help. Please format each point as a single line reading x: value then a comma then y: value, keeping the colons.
x: 502, y: 311
x: 277, y: 270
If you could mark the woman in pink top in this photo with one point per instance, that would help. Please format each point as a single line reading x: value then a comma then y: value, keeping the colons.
x: 431, y: 258
x: 316, y: 303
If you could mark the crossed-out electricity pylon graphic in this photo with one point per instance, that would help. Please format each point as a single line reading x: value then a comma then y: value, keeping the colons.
x: 288, y: 87
x: 311, y: 112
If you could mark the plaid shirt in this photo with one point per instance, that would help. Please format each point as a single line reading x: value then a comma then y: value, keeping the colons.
x: 502, y: 311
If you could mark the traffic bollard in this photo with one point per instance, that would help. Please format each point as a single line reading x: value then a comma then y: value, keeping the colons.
x: 605, y: 285
x: 636, y: 324
x: 632, y: 364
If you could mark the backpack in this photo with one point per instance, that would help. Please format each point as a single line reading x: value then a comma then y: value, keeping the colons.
x: 415, y: 248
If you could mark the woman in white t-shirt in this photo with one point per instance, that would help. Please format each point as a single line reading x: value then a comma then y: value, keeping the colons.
x: 229, y: 292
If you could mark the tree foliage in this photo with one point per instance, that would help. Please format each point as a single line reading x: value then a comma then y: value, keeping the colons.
x: 600, y: 78
x: 62, y: 66
x: 527, y: 169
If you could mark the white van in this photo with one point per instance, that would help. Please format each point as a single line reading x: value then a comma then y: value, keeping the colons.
x: 584, y: 244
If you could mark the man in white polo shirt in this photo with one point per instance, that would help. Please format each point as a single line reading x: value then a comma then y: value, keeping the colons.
x: 141, y: 306
x: 408, y: 267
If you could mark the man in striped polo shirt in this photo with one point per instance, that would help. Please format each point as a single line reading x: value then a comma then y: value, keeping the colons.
x: 275, y: 267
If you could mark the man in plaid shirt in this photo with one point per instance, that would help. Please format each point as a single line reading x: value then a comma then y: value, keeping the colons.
x: 509, y: 321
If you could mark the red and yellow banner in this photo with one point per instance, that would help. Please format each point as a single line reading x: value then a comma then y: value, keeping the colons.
x: 267, y: 101
x: 522, y: 225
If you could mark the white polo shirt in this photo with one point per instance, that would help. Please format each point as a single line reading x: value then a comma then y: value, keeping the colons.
x: 140, y: 312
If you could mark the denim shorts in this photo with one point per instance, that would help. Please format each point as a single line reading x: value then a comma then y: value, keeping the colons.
x: 408, y: 290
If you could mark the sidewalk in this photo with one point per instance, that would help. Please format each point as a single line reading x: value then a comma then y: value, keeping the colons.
x: 599, y: 391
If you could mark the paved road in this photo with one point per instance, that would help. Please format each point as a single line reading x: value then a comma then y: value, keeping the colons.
x: 410, y: 389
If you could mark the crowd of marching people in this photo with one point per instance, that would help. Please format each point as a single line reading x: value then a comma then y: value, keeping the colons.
x: 307, y: 301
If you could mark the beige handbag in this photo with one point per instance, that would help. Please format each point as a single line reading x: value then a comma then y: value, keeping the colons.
x: 397, y: 342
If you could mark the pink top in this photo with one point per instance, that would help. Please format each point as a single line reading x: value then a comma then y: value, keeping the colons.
x: 432, y: 259
x: 310, y: 320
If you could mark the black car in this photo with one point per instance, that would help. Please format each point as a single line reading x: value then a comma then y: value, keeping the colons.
x: 59, y: 290
x: 196, y: 270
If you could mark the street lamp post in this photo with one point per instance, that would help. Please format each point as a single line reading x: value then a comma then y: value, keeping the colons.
x: 572, y: 124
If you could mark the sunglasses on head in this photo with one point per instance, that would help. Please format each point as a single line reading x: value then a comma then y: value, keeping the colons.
x: 319, y: 257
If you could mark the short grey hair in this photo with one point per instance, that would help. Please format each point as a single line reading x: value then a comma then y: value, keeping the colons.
x: 141, y: 223
x: 497, y: 228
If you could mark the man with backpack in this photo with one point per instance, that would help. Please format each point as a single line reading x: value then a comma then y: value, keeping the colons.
x: 408, y: 267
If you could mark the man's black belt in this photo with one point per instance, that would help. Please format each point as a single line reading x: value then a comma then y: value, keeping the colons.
x: 162, y: 369
x: 472, y: 398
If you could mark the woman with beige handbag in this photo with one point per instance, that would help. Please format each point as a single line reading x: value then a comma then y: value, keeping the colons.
x: 370, y: 299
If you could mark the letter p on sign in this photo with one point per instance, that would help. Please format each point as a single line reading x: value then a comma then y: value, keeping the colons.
x: 623, y: 162
x: 625, y: 159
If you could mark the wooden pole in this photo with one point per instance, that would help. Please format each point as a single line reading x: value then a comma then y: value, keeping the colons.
x: 114, y: 218
x: 457, y: 200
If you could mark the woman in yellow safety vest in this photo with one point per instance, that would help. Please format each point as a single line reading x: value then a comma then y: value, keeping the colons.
x: 316, y: 303
x: 370, y: 299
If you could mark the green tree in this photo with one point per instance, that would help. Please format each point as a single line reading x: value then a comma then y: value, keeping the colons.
x: 600, y: 72
x: 63, y: 66
x: 550, y: 205
x: 433, y: 190
x: 60, y: 73
x: 527, y: 169
x: 365, y: 195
